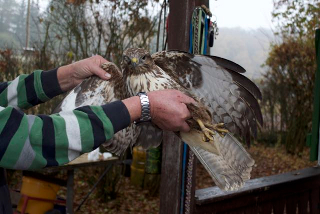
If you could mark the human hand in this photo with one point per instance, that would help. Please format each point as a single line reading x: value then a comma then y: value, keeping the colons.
x: 169, y: 110
x: 71, y: 75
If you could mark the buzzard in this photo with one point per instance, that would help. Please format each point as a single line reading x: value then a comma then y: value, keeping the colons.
x: 226, y: 106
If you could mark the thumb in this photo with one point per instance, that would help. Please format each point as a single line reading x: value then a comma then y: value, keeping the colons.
x: 101, y: 73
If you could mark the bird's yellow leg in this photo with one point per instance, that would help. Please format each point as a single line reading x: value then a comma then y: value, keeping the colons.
x: 219, y: 127
x: 207, y: 132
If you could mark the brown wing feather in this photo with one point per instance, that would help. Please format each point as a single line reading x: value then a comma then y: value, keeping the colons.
x: 95, y: 91
x: 230, y: 96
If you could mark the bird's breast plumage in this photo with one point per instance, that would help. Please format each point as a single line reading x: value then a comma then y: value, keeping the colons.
x: 154, y: 80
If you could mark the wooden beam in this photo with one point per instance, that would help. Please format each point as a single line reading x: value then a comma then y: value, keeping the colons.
x: 180, y: 13
x: 171, y: 172
x: 297, y: 188
x: 170, y: 186
x: 316, y: 104
x: 179, y: 22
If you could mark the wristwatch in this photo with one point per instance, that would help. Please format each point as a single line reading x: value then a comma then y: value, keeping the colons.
x: 145, y: 108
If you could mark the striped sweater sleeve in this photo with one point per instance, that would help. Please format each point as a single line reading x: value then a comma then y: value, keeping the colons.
x: 33, y: 142
x: 29, y: 90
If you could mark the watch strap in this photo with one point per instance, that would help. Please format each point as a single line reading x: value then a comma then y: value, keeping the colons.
x: 145, y: 108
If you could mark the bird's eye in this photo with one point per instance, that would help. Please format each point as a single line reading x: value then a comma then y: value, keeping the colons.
x: 126, y: 59
x: 144, y: 57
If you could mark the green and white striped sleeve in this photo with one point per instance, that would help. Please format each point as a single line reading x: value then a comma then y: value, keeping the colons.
x: 29, y: 90
x: 34, y: 142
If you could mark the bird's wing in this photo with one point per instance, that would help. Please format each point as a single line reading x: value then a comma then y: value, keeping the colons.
x: 95, y: 91
x: 217, y: 82
x: 231, y: 98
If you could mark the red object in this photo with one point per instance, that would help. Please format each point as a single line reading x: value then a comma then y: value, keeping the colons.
x: 26, y: 199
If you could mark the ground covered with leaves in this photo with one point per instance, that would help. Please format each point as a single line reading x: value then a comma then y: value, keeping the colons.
x: 127, y: 198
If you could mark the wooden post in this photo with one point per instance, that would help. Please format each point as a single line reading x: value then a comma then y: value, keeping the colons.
x: 180, y: 13
x: 170, y: 185
x: 316, y: 105
x: 171, y: 170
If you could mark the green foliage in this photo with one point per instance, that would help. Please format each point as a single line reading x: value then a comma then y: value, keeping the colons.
x: 289, y: 82
x: 296, y: 18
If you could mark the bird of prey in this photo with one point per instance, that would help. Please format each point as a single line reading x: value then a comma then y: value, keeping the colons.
x: 226, y: 107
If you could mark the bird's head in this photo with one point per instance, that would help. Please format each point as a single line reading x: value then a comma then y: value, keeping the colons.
x: 136, y: 61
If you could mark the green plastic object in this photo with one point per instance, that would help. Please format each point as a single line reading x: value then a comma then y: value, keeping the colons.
x: 316, y: 104
x: 153, y: 163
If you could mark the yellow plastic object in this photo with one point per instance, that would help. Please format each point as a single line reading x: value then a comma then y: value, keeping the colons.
x: 40, y: 189
x: 138, y: 166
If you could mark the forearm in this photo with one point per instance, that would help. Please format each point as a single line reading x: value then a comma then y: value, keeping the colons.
x: 34, y: 142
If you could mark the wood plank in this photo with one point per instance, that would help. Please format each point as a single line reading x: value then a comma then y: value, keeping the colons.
x: 213, y: 194
x: 314, y: 201
x: 257, y: 196
x: 265, y: 208
x: 303, y: 202
x: 278, y: 206
x: 170, y: 186
x: 291, y: 205
x: 234, y: 212
x: 82, y: 161
x: 252, y: 210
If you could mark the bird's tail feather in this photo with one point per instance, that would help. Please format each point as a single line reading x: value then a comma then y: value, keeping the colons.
x: 229, y: 169
x: 150, y: 137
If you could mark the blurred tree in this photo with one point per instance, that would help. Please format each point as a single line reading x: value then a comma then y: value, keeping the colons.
x: 13, y: 23
x: 20, y: 21
x: 78, y: 29
x: 288, y: 85
x: 7, y: 13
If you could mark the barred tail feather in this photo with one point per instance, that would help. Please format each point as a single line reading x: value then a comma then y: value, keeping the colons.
x: 231, y: 168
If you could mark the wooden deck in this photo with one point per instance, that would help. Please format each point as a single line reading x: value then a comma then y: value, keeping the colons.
x: 293, y: 192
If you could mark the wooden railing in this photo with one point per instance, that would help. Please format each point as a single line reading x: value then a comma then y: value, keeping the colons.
x: 289, y: 193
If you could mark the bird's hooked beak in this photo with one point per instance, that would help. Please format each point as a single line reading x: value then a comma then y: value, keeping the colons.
x: 134, y: 61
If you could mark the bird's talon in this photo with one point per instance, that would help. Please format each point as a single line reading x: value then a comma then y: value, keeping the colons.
x: 208, y: 133
x: 219, y: 127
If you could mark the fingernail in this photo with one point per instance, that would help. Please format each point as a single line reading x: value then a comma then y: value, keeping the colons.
x: 107, y: 75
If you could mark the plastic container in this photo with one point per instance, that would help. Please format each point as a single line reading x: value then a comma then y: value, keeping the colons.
x: 153, y: 161
x: 138, y: 166
x: 40, y: 189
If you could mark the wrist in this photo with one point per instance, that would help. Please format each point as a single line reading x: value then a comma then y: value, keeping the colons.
x: 65, y: 78
x: 134, y: 107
